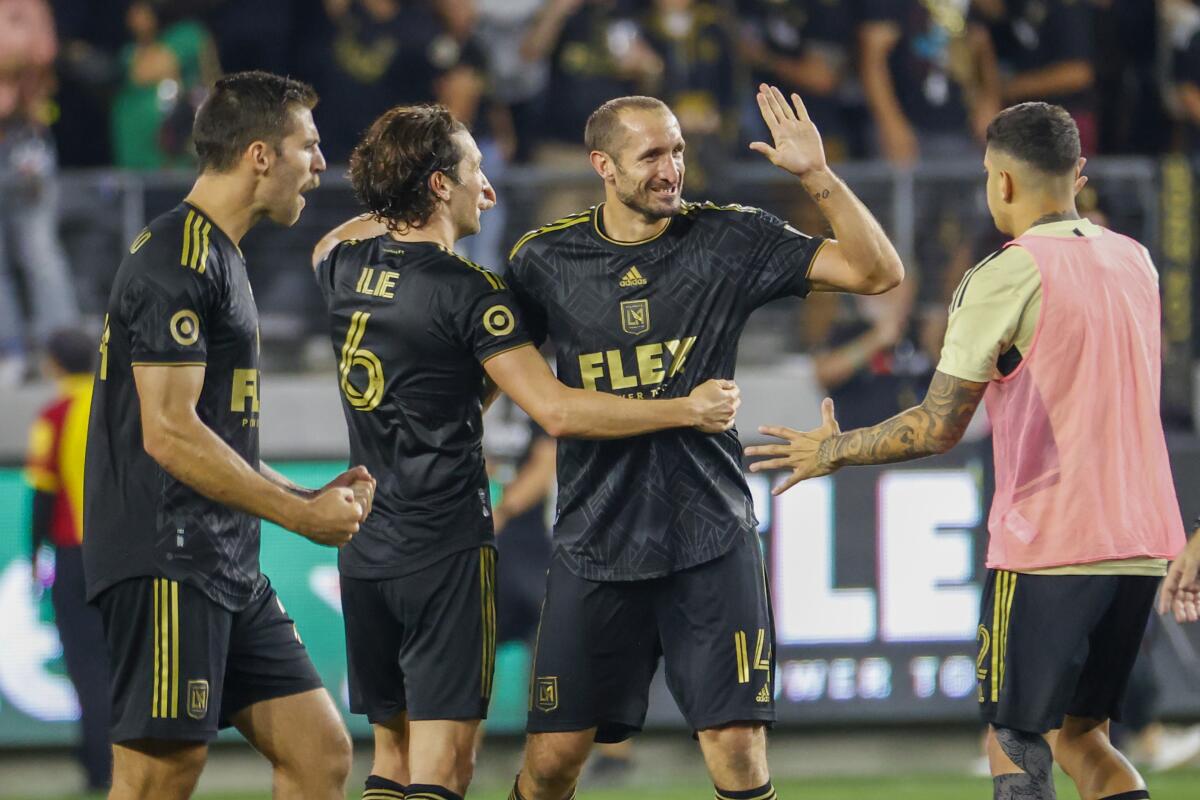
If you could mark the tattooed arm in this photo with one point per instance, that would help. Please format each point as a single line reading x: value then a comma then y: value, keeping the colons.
x: 930, y: 428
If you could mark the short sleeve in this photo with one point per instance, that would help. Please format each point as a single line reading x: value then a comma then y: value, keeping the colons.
x: 167, y: 309
x: 41, y: 458
x: 779, y: 266
x: 490, y: 320
x: 986, y: 314
x: 533, y: 312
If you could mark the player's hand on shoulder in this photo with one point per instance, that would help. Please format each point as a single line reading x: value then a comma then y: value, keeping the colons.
x: 715, y: 405
x: 331, y: 517
x: 801, y: 451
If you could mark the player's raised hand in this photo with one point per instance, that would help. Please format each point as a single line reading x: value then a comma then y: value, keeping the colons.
x: 801, y: 452
x: 1180, y: 593
x: 797, y: 143
x: 359, y: 481
x: 715, y: 405
x: 331, y: 517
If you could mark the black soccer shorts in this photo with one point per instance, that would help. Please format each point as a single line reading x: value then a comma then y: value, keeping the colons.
x: 599, y: 644
x: 424, y: 643
x: 183, y: 666
x: 1057, y: 645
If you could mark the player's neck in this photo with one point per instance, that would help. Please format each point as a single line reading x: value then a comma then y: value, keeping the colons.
x: 438, y: 230
x: 1049, y: 210
x: 623, y: 224
x: 228, y: 202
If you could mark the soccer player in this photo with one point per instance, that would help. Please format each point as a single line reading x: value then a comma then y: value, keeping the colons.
x: 656, y: 548
x: 1061, y: 328
x: 417, y: 329
x: 174, y: 488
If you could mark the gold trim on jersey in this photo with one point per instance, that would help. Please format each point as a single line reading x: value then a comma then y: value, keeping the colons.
x: 494, y: 280
x: 1002, y: 600
x: 610, y: 240
x: 487, y: 611
x: 168, y: 363
x: 488, y: 358
x: 557, y: 225
x: 164, y: 702
x: 195, y: 242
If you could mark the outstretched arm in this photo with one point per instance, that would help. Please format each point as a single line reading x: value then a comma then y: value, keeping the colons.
x: 933, y: 427
x: 861, y: 259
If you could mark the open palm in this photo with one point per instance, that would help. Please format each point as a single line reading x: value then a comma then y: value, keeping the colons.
x: 798, y: 147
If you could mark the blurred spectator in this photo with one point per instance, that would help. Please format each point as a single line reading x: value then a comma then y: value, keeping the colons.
x: 166, y: 66
x: 255, y: 35
x: 699, y: 77
x: 1046, y: 49
x: 596, y: 52
x: 875, y: 364
x: 89, y: 74
x: 802, y: 46
x: 383, y: 53
x: 54, y: 470
x: 30, y: 251
x: 929, y: 74
x: 516, y: 84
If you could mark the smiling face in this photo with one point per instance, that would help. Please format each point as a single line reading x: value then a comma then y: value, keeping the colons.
x: 471, y: 194
x: 293, y: 169
x: 647, y: 167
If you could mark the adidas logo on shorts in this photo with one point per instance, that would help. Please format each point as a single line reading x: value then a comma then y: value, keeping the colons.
x: 764, y: 694
x: 632, y: 278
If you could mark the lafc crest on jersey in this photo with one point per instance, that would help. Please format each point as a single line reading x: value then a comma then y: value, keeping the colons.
x: 635, y: 316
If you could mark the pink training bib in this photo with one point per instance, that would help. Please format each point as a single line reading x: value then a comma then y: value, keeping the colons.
x: 1081, y: 462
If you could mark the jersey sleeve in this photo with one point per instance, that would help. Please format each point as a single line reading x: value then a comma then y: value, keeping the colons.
x: 167, y: 307
x: 780, y: 264
x: 533, y: 311
x: 986, y: 314
x: 41, y: 457
x: 489, y: 322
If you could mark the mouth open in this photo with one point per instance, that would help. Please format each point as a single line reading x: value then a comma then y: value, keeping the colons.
x: 666, y: 192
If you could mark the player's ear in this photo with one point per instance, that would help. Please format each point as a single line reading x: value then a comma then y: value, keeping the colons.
x: 1006, y: 186
x: 603, y: 164
x: 439, y: 185
x: 259, y: 154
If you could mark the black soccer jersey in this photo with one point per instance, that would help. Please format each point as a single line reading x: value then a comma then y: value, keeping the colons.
x: 412, y: 324
x: 653, y: 319
x: 181, y: 296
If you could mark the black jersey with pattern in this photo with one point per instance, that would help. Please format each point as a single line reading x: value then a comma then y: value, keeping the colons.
x: 411, y: 325
x: 647, y: 320
x: 181, y: 296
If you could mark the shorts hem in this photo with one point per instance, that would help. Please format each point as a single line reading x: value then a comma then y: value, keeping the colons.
x: 119, y: 737
x: 725, y: 720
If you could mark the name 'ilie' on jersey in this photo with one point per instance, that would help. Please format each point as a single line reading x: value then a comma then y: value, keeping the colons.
x: 411, y: 325
x: 645, y: 320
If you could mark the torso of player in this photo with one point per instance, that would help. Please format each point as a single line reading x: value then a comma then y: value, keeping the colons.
x: 401, y: 317
x: 651, y: 320
x: 181, y: 297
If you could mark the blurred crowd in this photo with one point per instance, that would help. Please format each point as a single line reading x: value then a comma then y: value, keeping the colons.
x: 117, y: 81
x: 88, y: 84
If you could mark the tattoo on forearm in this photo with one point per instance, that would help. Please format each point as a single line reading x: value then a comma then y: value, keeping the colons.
x: 1030, y: 752
x: 932, y: 427
x: 821, y: 195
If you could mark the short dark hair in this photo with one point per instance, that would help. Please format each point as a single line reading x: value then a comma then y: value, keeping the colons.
x: 390, y: 168
x: 604, y: 125
x: 1040, y: 134
x: 72, y: 350
x: 243, y: 108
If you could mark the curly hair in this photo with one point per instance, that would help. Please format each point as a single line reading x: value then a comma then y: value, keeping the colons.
x: 390, y: 168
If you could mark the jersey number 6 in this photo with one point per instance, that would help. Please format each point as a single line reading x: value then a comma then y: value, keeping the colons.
x: 354, y: 355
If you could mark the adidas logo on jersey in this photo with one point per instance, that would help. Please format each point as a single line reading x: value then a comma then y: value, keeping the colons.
x: 632, y: 278
x: 764, y: 694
